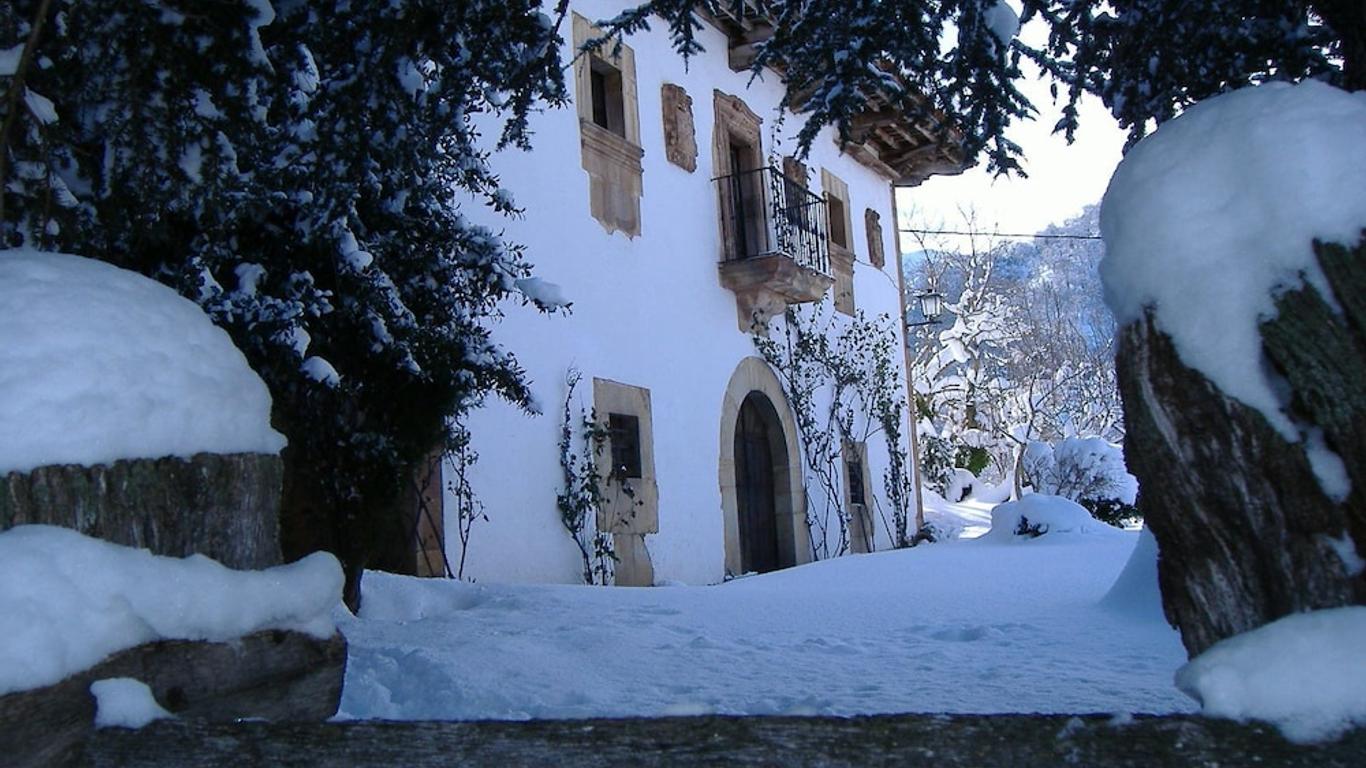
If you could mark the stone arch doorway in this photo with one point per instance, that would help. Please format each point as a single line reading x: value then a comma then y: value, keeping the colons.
x: 760, y: 474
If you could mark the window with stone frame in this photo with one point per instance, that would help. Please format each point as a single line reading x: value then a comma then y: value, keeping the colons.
x: 626, y: 476
x: 839, y: 229
x: 609, y: 108
x: 737, y: 155
x: 609, y: 130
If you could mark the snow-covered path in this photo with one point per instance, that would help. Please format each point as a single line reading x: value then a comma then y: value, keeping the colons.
x: 963, y: 626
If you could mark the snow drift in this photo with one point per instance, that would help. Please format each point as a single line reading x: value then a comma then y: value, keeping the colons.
x: 1306, y: 673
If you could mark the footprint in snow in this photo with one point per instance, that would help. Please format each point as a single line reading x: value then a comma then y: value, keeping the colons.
x: 967, y: 634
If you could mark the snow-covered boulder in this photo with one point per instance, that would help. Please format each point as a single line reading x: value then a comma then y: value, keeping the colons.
x: 99, y: 364
x: 1040, y: 515
x: 126, y: 414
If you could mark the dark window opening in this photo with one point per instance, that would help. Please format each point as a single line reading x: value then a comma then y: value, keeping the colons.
x: 855, y: 468
x: 746, y: 198
x: 838, y: 232
x: 608, y: 102
x: 623, y: 434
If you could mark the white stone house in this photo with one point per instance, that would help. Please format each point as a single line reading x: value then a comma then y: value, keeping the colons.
x: 666, y: 207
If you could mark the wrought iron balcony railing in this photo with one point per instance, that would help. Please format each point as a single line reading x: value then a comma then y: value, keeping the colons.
x: 764, y: 213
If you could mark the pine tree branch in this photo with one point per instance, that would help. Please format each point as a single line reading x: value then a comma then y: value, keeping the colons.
x: 16, y: 90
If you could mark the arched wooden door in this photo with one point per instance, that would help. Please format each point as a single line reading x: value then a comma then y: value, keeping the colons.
x: 758, y: 441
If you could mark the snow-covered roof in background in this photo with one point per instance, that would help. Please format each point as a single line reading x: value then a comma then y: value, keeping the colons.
x: 69, y: 601
x: 99, y: 363
x: 1211, y: 215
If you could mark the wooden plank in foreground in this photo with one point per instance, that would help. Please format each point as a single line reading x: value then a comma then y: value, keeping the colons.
x: 1019, y: 741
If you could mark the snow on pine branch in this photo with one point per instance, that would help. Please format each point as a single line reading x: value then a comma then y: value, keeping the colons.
x: 836, y: 54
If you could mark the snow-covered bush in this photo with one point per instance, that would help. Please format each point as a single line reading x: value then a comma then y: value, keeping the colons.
x: 963, y: 484
x: 1039, y: 514
x: 1089, y: 471
x: 1113, y: 511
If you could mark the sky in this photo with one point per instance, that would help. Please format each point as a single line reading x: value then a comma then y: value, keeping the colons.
x: 1062, y: 178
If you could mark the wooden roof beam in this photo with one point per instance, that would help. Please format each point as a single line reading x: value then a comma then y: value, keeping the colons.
x: 744, y: 48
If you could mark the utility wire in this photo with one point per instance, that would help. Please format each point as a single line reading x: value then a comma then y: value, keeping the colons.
x: 999, y: 234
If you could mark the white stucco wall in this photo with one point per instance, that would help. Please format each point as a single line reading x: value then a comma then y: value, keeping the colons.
x: 649, y: 312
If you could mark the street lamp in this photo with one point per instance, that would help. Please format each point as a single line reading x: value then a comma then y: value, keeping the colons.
x: 931, y: 305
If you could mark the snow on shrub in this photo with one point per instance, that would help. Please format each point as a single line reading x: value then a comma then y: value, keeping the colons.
x: 963, y: 485
x: 69, y: 601
x: 1087, y: 470
x: 1039, y: 514
x: 936, y: 460
x: 993, y: 494
x: 1305, y: 672
x: 99, y: 363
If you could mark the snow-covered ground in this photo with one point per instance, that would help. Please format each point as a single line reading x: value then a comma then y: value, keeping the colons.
x: 960, y: 626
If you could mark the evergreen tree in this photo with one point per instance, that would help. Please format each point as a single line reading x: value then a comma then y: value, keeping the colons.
x: 1147, y: 59
x: 299, y: 170
x: 1150, y: 59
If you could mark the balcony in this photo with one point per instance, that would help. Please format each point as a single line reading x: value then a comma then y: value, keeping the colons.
x: 775, y: 248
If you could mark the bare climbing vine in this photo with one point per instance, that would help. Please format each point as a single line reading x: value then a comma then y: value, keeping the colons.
x: 459, y: 458
x: 840, y: 377
x: 582, y: 497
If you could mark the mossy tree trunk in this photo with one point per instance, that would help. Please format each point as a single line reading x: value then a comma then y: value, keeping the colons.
x: 1246, y: 531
